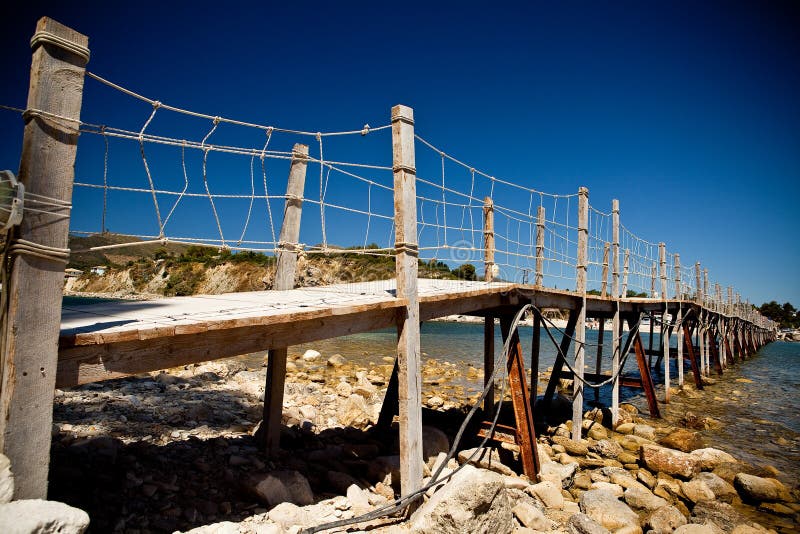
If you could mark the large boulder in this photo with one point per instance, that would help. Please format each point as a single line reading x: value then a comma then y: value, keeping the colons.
x: 664, y: 520
x: 756, y: 489
x: 723, y: 491
x: 548, y: 493
x: 696, y: 490
x: 41, y: 517
x: 474, y: 500
x: 531, y: 517
x: 709, y: 458
x: 280, y: 486
x: 604, y: 507
x: 721, y: 514
x: 682, y: 440
x: 668, y: 461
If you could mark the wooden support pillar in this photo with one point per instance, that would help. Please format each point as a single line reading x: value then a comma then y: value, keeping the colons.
x: 520, y: 400
x: 580, y: 331
x: 687, y: 340
x: 644, y: 370
x: 286, y: 267
x: 558, y: 365
x: 488, y: 321
x: 616, y: 327
x: 665, y: 329
x: 33, y: 320
x: 706, y: 295
x: 679, y: 318
x: 406, y: 260
x: 604, y: 282
x: 540, y: 220
x: 599, y: 360
x: 535, y: 349
x: 653, y: 281
x: 698, y: 287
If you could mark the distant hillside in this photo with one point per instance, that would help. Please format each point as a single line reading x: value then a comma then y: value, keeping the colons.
x: 169, y: 270
x: 114, y: 256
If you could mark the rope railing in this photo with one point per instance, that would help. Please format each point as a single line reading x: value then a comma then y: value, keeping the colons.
x: 219, y: 189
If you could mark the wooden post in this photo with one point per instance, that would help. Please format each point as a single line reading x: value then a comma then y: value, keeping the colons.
x: 615, y: 322
x: 33, y: 321
x: 653, y: 281
x: 604, y: 283
x: 540, y: 219
x: 625, y: 269
x: 406, y: 258
x: 665, y: 328
x: 535, y: 350
x: 286, y: 268
x: 488, y: 321
x: 698, y: 290
x: 580, y: 331
x: 679, y: 318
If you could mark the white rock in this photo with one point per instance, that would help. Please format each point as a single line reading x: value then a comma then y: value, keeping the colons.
x: 531, y: 517
x: 709, y: 458
x: 225, y: 527
x: 556, y: 473
x: 549, y: 493
x: 311, y: 355
x: 36, y: 516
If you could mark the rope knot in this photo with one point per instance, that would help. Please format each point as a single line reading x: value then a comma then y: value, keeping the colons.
x: 156, y: 104
x: 365, y: 130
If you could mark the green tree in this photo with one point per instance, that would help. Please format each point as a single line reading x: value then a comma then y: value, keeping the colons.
x: 465, y: 272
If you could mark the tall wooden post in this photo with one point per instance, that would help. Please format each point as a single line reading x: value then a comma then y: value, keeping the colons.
x: 286, y: 269
x: 540, y: 218
x: 580, y: 331
x: 653, y: 281
x: 406, y: 254
x: 604, y: 282
x: 33, y: 321
x: 706, y: 295
x: 719, y: 309
x: 698, y: 289
x: 616, y: 329
x: 488, y: 321
x: 665, y: 329
x: 625, y: 269
x: 679, y: 318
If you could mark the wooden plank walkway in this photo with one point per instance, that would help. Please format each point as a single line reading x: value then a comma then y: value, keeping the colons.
x: 104, y: 340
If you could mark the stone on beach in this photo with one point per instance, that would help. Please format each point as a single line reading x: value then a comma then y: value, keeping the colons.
x: 281, y: 486
x: 37, y: 516
x: 311, y: 355
x: 486, y: 458
x: 669, y: 461
x: 709, y: 458
x: 757, y: 489
x: 475, y: 500
x: 583, y: 524
x: 604, y: 507
x: 6, y: 480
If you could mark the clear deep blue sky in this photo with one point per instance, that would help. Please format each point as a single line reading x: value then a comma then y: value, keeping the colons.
x: 687, y: 112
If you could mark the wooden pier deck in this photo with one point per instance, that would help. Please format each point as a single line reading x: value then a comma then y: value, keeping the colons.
x: 113, y: 339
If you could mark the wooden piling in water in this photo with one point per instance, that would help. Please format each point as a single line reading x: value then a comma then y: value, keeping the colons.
x: 665, y: 329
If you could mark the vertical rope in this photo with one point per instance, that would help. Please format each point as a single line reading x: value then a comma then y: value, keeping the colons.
x: 205, y: 180
x: 266, y: 192
x: 156, y: 105
x: 185, y: 184
x: 105, y: 180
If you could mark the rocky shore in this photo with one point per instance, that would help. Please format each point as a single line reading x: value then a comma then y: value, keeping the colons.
x: 174, y: 451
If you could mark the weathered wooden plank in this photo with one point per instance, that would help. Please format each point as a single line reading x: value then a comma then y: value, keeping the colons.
x: 31, y: 330
x: 92, y: 363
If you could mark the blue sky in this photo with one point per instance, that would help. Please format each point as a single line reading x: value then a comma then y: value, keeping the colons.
x: 686, y: 112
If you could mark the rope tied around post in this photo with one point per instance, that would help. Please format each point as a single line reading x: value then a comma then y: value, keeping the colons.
x: 45, y: 37
x: 412, y: 249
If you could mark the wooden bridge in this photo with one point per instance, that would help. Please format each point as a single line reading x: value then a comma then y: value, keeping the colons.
x: 45, y: 347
